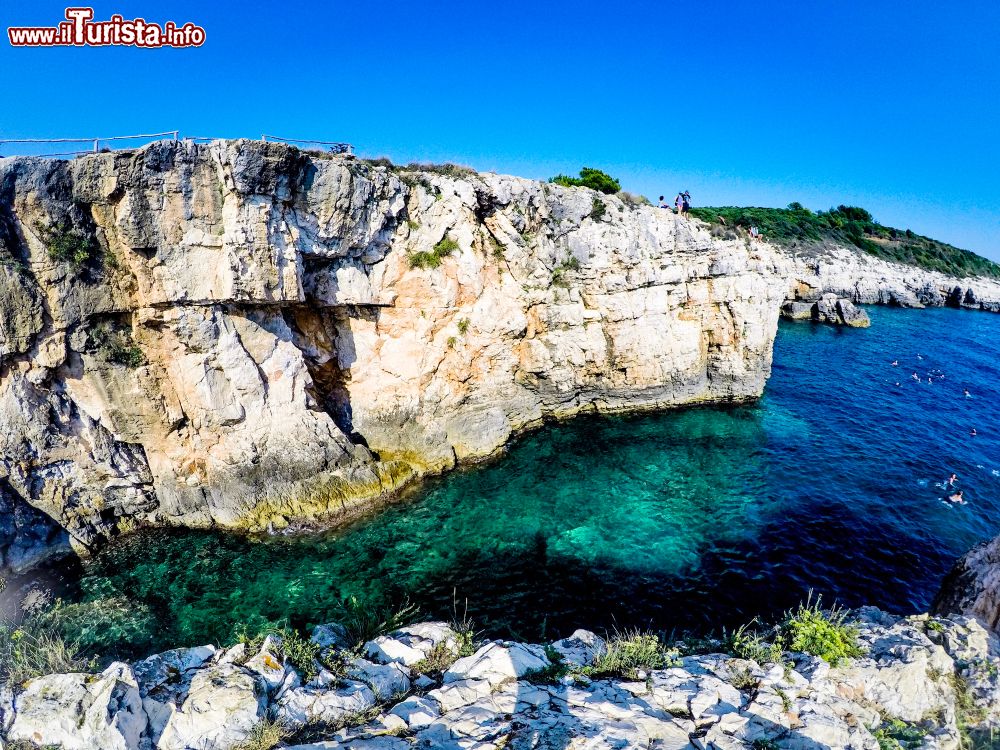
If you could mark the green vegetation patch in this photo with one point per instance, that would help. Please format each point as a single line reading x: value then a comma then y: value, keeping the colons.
x: 456, y: 171
x: 807, y: 629
x: 67, y: 245
x: 301, y: 652
x: 850, y: 225
x: 433, y: 258
x: 824, y: 634
x: 36, y: 646
x: 265, y: 735
x: 628, y: 652
x: 898, y: 735
x: 117, y: 346
x: 591, y: 178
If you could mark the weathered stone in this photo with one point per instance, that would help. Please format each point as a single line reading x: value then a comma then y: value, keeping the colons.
x: 581, y: 648
x: 20, y: 311
x: 386, y: 680
x: 794, y: 310
x: 302, y: 706
x: 219, y: 710
x: 852, y: 316
x: 973, y: 586
x: 411, y: 644
x: 497, y: 663
x: 417, y: 712
x: 81, y: 712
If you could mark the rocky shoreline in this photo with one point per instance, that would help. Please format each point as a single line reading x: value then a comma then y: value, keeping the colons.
x: 927, y: 681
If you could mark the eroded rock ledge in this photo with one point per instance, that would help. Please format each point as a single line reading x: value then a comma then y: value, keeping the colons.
x: 927, y: 680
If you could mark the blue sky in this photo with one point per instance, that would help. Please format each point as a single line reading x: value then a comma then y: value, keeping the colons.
x: 893, y: 106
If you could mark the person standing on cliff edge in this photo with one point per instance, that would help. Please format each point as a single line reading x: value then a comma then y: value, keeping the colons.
x: 683, y: 202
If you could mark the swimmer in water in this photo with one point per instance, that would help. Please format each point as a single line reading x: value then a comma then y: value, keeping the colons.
x: 952, y: 479
x: 973, y: 433
x: 895, y: 363
x: 916, y: 377
x: 966, y: 392
x: 957, y: 498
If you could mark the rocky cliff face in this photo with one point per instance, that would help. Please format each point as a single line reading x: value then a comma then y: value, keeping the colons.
x: 973, y: 586
x: 865, y: 279
x: 241, y: 334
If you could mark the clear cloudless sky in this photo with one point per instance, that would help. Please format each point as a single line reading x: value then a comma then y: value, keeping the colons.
x: 894, y: 106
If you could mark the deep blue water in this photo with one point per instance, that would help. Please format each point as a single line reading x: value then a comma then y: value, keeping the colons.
x: 681, y: 521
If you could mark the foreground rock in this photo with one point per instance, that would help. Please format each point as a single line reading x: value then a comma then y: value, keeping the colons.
x: 81, y: 712
x: 915, y: 675
x: 241, y: 334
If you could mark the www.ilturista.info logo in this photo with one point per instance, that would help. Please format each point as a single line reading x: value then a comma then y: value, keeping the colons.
x: 80, y: 30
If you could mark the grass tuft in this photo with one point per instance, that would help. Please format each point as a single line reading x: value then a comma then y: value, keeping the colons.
x: 433, y: 258
x: 265, y: 735
x: 628, y: 652
x: 301, y: 652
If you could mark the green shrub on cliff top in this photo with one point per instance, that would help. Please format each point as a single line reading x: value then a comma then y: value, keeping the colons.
x: 594, y: 179
x: 748, y: 643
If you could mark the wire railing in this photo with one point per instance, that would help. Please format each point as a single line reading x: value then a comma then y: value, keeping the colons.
x: 99, y: 145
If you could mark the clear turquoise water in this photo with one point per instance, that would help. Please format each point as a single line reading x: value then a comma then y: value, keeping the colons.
x: 683, y: 521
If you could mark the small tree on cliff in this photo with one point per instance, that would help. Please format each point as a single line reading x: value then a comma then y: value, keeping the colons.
x: 594, y: 179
